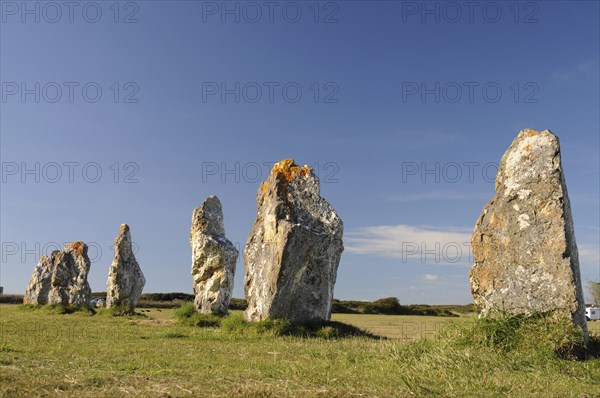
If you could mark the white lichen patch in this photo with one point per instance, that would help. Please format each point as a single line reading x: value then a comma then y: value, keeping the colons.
x: 523, y: 220
x: 523, y: 193
x: 524, y: 150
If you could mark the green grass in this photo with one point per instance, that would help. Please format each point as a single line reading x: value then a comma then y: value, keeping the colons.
x: 404, y: 327
x: 187, y: 315
x: 82, y: 355
x: 58, y: 309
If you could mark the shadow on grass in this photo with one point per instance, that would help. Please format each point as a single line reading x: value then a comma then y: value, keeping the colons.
x: 235, y: 324
x: 331, y: 329
x: 119, y: 310
x: 593, y: 347
x: 59, y: 309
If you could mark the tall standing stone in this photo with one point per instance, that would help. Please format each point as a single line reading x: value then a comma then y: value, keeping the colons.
x: 61, y: 278
x: 526, y: 258
x: 213, y: 258
x: 294, y: 248
x: 125, y: 278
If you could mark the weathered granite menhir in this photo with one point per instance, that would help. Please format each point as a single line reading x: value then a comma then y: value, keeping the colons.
x: 526, y: 258
x: 61, y: 278
x: 125, y: 278
x: 213, y: 258
x: 293, y: 251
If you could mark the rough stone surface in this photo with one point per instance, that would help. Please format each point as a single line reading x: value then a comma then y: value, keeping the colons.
x: 293, y: 251
x: 526, y: 258
x: 40, y: 283
x: 61, y: 278
x: 125, y: 278
x: 213, y: 258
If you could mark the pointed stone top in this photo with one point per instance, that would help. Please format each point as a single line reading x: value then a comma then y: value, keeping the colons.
x: 78, y: 247
x: 283, y: 174
x: 288, y: 169
x: 124, y: 236
x: 532, y: 133
x: 208, y: 218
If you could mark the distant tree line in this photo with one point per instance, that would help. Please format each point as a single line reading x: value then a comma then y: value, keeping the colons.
x: 384, y: 306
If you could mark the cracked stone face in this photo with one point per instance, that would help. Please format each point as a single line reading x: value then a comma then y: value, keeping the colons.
x: 125, y: 278
x: 214, y: 258
x: 61, y: 278
x: 526, y: 258
x: 293, y: 251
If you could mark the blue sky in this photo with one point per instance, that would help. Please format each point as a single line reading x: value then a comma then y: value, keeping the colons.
x: 405, y: 109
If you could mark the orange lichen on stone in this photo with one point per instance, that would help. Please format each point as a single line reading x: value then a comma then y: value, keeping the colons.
x: 288, y: 169
x: 530, y: 132
x: 78, y: 247
x: 264, y: 187
x: 528, y: 148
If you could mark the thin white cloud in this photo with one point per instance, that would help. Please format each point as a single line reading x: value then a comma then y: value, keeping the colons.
x: 431, y: 245
x: 425, y: 244
x: 430, y: 277
x: 584, y: 72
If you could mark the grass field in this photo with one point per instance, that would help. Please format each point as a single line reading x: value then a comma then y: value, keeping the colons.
x: 79, y: 355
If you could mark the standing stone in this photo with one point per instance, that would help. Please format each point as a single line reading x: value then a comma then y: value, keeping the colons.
x: 294, y: 248
x: 125, y: 278
x: 40, y: 283
x: 524, y: 246
x: 62, y: 278
x: 213, y: 258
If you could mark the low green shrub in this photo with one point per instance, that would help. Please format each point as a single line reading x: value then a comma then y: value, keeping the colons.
x: 235, y: 324
x: 389, y: 305
x: 237, y: 304
x: 276, y: 327
x: 188, y: 315
x: 11, y: 298
x: 185, y: 311
x: 540, y: 335
x: 340, y: 307
x: 167, y: 296
x: 120, y: 310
